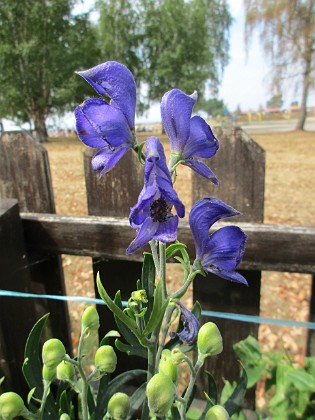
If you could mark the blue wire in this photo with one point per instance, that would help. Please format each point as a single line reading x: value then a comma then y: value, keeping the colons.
x: 214, y: 314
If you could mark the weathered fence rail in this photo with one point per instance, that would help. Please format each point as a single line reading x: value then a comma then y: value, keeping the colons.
x: 269, y: 247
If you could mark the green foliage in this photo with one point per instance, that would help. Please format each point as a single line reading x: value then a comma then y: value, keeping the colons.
x: 41, y: 45
x: 185, y: 44
x: 291, y: 388
x: 213, y: 107
x: 275, y: 102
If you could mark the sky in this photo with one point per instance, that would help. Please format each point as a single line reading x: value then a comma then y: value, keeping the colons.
x: 245, y: 78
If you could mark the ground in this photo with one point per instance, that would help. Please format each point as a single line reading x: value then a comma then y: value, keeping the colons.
x: 290, y: 188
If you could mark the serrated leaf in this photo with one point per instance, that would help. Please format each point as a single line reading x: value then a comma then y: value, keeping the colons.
x: 137, y: 400
x: 234, y: 402
x: 130, y: 323
x: 131, y: 350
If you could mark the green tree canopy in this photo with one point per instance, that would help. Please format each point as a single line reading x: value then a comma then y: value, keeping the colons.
x: 186, y: 44
x: 212, y: 107
x: 287, y: 30
x: 275, y: 101
x: 41, y: 45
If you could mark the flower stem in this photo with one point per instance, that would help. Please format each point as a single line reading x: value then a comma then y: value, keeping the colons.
x: 162, y: 271
x: 194, y: 372
x: 85, y: 385
x: 180, y: 292
x: 44, y: 399
x: 168, y: 315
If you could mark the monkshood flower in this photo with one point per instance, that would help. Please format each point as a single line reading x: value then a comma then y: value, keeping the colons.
x: 190, y: 138
x: 152, y: 215
x: 221, y: 252
x: 189, y: 333
x: 108, y: 126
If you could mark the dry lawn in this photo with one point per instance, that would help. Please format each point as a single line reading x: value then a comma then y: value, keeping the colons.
x: 289, y: 195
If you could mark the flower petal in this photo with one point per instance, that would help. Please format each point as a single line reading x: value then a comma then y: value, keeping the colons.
x: 176, y: 109
x: 105, y: 159
x: 228, y: 275
x: 225, y: 248
x: 99, y: 124
x: 116, y: 81
x: 171, y: 196
x: 201, y: 142
x: 189, y: 333
x: 145, y: 234
x: 203, y: 215
x: 155, y: 158
x: 139, y: 212
x: 201, y: 169
x: 167, y: 231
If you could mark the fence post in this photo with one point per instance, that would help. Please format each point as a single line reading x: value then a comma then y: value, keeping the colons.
x: 17, y: 316
x: 112, y: 195
x: 240, y: 167
x: 25, y: 175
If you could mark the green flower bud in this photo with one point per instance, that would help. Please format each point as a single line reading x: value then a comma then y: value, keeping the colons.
x: 11, y: 405
x: 53, y: 353
x: 65, y: 371
x: 139, y: 296
x: 64, y: 416
x: 167, y: 366
x: 209, y: 340
x: 105, y: 359
x: 161, y: 394
x: 49, y: 375
x: 177, y: 356
x: 217, y: 412
x: 119, y: 406
x: 90, y: 319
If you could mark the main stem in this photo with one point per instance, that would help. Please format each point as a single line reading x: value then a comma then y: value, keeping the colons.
x: 84, y: 394
x: 162, y: 271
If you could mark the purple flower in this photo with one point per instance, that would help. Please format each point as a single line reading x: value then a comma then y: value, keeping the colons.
x: 189, y: 333
x: 152, y: 214
x: 190, y: 138
x: 108, y: 126
x: 221, y: 252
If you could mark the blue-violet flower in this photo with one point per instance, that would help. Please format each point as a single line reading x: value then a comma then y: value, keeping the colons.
x: 108, y: 126
x: 189, y: 333
x: 190, y: 138
x: 152, y: 214
x: 221, y: 252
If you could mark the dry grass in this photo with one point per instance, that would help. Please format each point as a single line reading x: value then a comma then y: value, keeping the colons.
x: 289, y: 195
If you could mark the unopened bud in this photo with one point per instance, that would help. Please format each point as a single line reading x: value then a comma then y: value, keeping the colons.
x: 49, y: 375
x: 105, y: 359
x: 119, y: 406
x: 65, y: 371
x: 167, y: 366
x: 217, y: 412
x: 64, y: 416
x: 11, y: 405
x: 177, y: 356
x: 161, y: 394
x: 90, y: 319
x: 53, y: 353
x: 209, y: 340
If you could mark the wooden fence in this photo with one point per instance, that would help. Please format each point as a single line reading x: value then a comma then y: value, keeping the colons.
x: 33, y: 237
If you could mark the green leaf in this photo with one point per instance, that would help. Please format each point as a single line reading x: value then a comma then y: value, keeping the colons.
x: 130, y: 323
x: 134, y: 350
x: 212, y: 388
x: 173, y: 248
x: 30, y: 395
x: 100, y: 400
x: 302, y: 380
x: 148, y: 280
x: 137, y: 400
x: 158, y: 310
x: 234, y: 402
x: 248, y: 351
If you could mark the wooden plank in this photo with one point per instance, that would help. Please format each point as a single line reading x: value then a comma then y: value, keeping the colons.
x: 240, y: 167
x: 310, y: 347
x: 25, y: 175
x: 113, y: 195
x: 269, y: 247
x: 17, y: 316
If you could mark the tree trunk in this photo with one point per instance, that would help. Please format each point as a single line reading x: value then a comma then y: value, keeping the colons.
x: 306, y: 85
x: 40, y: 129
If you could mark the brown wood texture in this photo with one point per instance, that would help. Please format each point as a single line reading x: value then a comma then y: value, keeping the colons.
x: 25, y: 175
x: 17, y: 316
x: 269, y: 247
x: 240, y: 167
x: 112, y: 195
